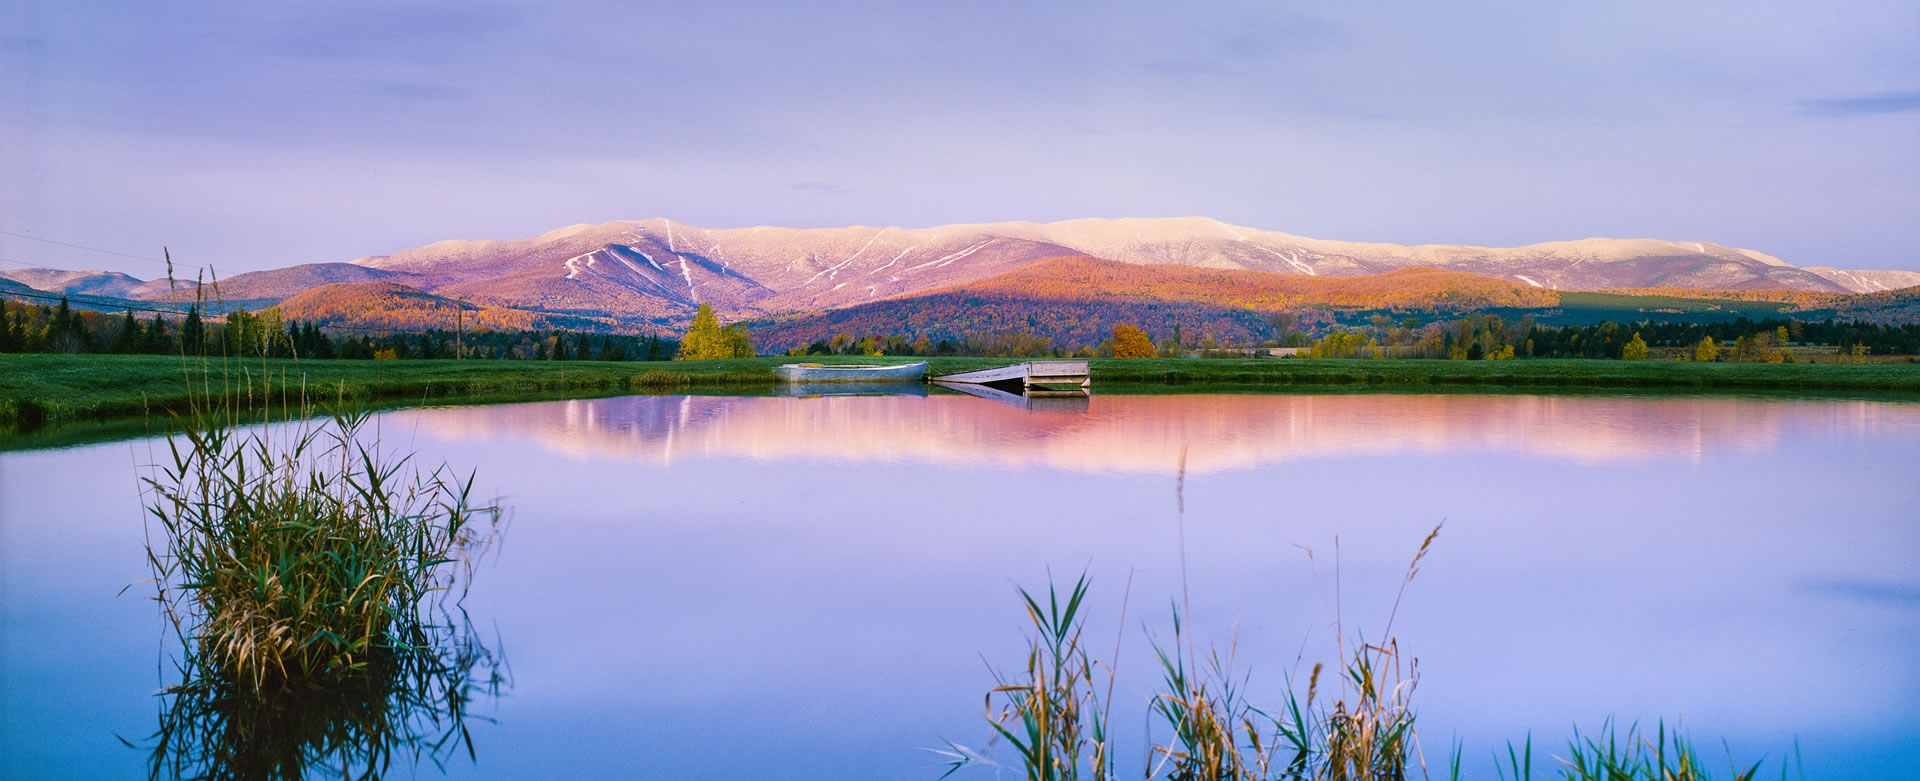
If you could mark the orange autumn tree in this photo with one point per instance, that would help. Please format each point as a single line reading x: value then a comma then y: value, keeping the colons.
x: 1131, y: 342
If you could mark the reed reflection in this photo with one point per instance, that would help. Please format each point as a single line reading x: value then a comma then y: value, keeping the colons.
x: 410, y: 702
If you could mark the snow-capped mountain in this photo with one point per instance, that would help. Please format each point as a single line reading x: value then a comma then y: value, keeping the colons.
x: 658, y: 268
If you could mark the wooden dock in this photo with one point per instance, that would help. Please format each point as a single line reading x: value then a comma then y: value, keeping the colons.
x: 1025, y: 376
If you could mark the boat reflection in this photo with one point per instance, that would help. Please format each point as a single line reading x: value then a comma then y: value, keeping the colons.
x: 814, y: 389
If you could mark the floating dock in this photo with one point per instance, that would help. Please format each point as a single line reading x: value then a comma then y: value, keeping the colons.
x: 1025, y: 376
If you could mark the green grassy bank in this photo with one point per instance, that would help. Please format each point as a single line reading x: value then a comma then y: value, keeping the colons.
x: 37, y: 389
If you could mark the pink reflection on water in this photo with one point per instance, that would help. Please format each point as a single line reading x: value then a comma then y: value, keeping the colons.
x: 1144, y: 434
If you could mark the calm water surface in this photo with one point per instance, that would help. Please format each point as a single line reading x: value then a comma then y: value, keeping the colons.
x: 813, y: 587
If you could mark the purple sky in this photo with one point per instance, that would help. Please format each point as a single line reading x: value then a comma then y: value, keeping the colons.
x: 253, y: 135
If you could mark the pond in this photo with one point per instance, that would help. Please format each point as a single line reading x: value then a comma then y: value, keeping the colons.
x: 780, y: 587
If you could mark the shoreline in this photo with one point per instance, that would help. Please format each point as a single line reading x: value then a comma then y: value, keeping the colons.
x: 49, y: 390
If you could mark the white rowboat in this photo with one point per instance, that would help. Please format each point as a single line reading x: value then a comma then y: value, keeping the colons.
x: 814, y: 372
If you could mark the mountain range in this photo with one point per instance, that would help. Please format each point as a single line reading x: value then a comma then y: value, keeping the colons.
x: 633, y: 273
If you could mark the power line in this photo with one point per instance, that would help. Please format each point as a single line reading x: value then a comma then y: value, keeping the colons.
x: 211, y: 315
x: 36, y: 265
x: 82, y: 246
x: 98, y: 271
x: 460, y: 306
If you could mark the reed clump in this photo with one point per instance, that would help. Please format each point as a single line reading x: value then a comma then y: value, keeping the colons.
x: 1354, y: 723
x: 1663, y: 755
x: 314, y: 584
x: 1051, y: 712
x: 1215, y: 733
x: 657, y: 379
x: 291, y: 564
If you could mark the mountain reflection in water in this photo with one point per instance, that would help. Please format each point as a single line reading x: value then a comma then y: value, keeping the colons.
x: 1145, y: 434
x: 807, y: 587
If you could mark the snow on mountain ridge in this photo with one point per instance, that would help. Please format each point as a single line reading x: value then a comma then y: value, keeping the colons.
x: 655, y: 268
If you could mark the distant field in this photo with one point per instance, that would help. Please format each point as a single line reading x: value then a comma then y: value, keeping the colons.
x: 1626, y: 302
x: 1588, y: 308
x: 41, y: 388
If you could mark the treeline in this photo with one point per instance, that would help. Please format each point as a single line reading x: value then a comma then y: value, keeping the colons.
x: 1006, y: 345
x: 1123, y: 340
x: 982, y: 324
x: 1491, y: 337
x: 61, y: 329
x: 27, y: 328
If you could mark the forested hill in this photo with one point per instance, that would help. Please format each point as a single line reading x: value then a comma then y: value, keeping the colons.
x: 397, y: 306
x: 1078, y: 300
x: 1094, y: 279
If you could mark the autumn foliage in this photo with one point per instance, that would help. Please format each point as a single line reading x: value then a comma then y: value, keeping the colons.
x: 1093, y: 279
x: 380, y: 305
x: 706, y: 339
x: 1076, y: 302
x: 1131, y: 342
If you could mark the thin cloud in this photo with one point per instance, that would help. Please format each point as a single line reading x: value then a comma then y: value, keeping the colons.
x: 1890, y: 593
x: 1863, y: 105
x: 448, y: 34
x: 406, y: 90
x: 822, y: 188
x: 1247, y: 41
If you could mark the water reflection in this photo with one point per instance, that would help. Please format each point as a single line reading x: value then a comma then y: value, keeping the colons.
x: 411, y: 703
x: 1030, y: 399
x: 1145, y: 434
x: 811, y: 389
x: 807, y: 587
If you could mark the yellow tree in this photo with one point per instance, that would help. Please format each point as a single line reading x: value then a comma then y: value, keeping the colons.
x: 1635, y: 350
x: 706, y: 340
x: 1131, y: 342
x: 1707, y: 351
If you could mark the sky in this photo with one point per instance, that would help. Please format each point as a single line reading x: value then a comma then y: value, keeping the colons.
x: 256, y: 135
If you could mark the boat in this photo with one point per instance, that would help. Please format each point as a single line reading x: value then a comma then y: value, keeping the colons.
x: 815, y: 372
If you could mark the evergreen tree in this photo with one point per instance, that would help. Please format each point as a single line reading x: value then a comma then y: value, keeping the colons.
x: 63, y: 330
x: 128, y: 338
x: 581, y: 351
x: 154, y: 341
x: 611, y: 350
x: 7, y: 344
x: 62, y: 318
x: 193, y: 332
x: 323, y: 344
x: 560, y: 346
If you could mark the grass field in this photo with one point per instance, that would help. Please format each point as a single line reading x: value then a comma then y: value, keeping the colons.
x: 37, y: 389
